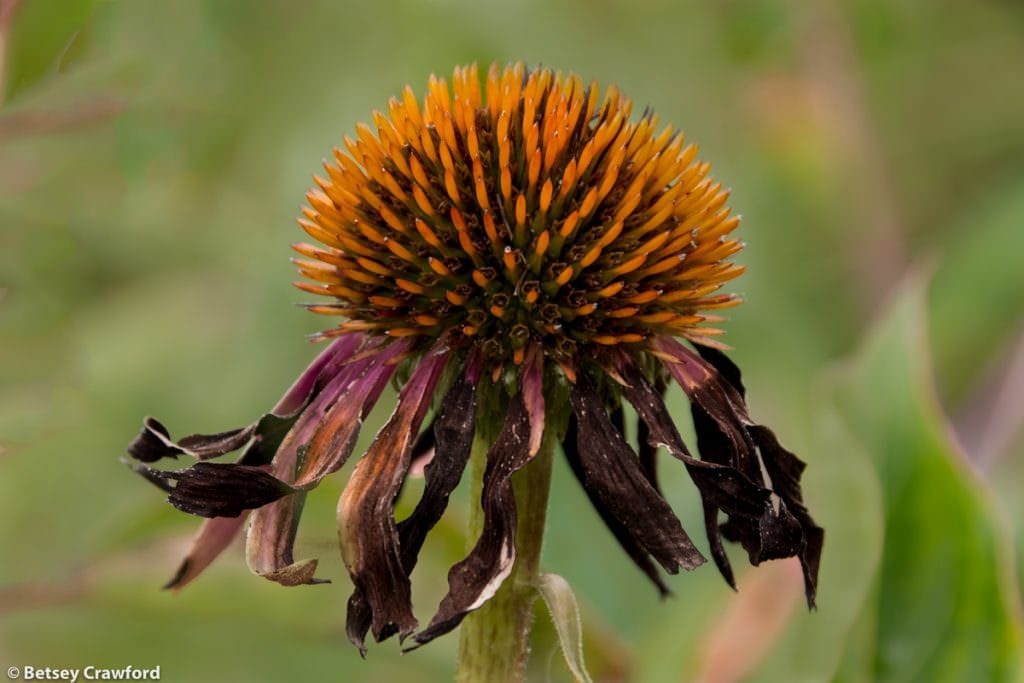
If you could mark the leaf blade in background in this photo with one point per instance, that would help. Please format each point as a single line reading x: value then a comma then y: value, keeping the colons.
x: 975, y: 301
x: 847, y: 496
x: 946, y: 609
x: 41, y: 31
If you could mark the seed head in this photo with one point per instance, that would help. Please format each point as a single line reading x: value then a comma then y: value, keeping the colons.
x: 527, y: 210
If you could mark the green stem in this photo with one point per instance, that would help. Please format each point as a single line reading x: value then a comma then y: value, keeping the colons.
x: 494, y: 639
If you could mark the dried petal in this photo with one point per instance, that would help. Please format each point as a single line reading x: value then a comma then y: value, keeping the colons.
x: 784, y: 470
x: 640, y: 558
x: 475, y: 579
x: 317, y: 374
x: 337, y: 432
x: 326, y: 431
x: 212, y: 489
x: 648, y: 451
x: 727, y: 435
x: 154, y: 441
x: 728, y: 370
x: 720, y: 486
x: 366, y: 524
x: 611, y: 474
x: 452, y: 432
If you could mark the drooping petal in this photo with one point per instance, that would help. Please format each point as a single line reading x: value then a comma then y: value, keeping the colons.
x: 337, y: 432
x: 270, y: 543
x: 714, y: 533
x: 263, y: 438
x: 213, y: 537
x: 784, y: 470
x: 452, y: 441
x: 475, y: 579
x: 154, y: 441
x: 611, y: 475
x: 366, y: 523
x: 647, y: 450
x: 727, y: 435
x: 227, y: 490
x: 720, y: 486
x: 728, y: 370
x: 640, y: 558
x: 716, y: 403
x: 646, y: 453
x: 318, y: 373
x: 325, y: 433
x: 212, y: 489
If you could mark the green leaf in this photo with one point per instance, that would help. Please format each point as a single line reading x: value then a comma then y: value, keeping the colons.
x: 840, y: 478
x: 565, y: 614
x: 944, y: 608
x: 42, y: 34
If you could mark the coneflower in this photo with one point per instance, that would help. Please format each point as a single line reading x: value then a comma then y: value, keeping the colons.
x: 522, y: 258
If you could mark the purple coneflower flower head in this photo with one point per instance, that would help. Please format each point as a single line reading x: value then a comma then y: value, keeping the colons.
x: 519, y: 251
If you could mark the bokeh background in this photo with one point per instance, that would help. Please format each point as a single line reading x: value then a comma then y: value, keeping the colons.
x: 153, y: 157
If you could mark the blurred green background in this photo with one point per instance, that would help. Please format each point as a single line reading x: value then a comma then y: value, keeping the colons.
x: 153, y: 157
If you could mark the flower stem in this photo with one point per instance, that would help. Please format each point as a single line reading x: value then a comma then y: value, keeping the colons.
x: 494, y: 639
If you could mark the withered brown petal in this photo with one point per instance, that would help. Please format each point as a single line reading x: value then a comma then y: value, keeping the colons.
x: 647, y: 453
x: 338, y: 430
x: 790, y: 530
x: 728, y: 370
x: 270, y: 543
x: 719, y: 412
x: 640, y: 558
x: 216, y: 489
x: 154, y: 442
x: 611, y: 472
x: 725, y: 431
x: 325, y: 433
x: 216, y: 533
x: 768, y: 535
x: 784, y: 469
x: 366, y: 523
x: 720, y: 486
x: 475, y: 579
x: 452, y: 440
x: 714, y: 533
